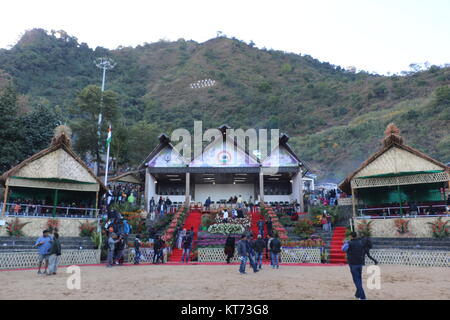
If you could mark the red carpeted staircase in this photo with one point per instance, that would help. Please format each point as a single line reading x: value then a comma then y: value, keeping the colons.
x: 193, y: 220
x: 336, y: 254
x: 255, y: 216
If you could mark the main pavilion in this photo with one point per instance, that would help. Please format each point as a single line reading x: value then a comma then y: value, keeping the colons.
x: 224, y: 170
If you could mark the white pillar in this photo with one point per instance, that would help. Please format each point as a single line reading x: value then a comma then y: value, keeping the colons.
x: 297, y: 189
x: 188, y: 189
x: 150, y: 189
x: 261, y: 186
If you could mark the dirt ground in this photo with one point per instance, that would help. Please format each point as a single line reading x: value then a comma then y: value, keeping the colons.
x: 224, y: 282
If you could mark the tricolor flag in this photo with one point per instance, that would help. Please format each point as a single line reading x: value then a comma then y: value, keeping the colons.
x: 108, y: 139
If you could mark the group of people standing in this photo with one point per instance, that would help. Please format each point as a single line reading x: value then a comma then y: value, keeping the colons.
x: 185, y: 239
x: 162, y: 207
x: 253, y: 251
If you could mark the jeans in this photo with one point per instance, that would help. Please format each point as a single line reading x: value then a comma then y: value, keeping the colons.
x: 243, y: 264
x: 356, y: 271
x: 52, y: 263
x: 261, y: 232
x: 274, y: 259
x: 110, y: 257
x: 253, y: 262
x: 259, y: 259
x: 185, y: 254
x: 155, y: 255
x: 137, y: 256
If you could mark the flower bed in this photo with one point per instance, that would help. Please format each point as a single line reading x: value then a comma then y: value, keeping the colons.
x: 226, y: 228
x: 245, y: 222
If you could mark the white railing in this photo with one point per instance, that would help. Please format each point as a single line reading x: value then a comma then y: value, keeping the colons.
x: 417, y: 258
x: 30, y: 259
x: 288, y: 255
x: 35, y: 210
x: 407, y: 214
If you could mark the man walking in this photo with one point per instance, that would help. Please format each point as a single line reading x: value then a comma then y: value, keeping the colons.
x: 355, y: 257
x: 259, y: 248
x: 367, y: 245
x: 275, y: 249
x: 260, y: 225
x: 44, y: 244
x: 252, y: 254
x: 112, y: 240
x: 187, y: 240
x: 54, y: 253
x: 243, y: 253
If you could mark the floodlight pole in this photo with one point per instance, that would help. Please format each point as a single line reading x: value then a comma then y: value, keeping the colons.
x: 105, y: 64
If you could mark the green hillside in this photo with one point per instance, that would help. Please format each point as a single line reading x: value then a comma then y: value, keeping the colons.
x: 335, y: 118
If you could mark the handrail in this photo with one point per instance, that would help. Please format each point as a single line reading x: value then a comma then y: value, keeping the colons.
x: 31, y: 210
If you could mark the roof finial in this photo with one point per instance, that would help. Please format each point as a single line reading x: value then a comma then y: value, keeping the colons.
x: 62, y: 134
x: 392, y: 135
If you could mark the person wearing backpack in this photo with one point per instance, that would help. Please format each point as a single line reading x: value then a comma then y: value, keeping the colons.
x: 355, y: 257
x: 367, y: 245
x: 187, y: 240
x: 275, y: 249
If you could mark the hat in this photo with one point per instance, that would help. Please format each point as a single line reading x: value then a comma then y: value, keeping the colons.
x: 45, y: 231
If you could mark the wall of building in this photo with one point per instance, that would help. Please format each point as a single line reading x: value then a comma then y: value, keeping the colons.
x: 69, y: 227
x: 219, y: 192
x: 385, y: 228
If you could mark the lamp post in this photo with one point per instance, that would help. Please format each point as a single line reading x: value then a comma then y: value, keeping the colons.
x: 104, y: 64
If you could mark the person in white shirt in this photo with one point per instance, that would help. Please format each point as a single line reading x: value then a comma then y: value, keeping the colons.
x: 225, y: 216
x: 240, y: 201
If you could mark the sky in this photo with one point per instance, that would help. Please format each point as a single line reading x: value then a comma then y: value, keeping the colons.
x: 381, y: 36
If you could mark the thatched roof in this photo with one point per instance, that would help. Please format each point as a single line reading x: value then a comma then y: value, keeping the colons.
x: 130, y: 177
x: 60, y: 142
x: 393, y: 140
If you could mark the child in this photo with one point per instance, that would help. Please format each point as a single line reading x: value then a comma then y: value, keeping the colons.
x: 137, y: 246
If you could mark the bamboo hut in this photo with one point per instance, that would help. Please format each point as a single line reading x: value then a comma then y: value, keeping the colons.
x: 53, y: 175
x: 395, y: 176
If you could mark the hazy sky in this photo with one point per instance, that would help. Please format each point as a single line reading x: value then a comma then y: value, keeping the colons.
x: 374, y: 35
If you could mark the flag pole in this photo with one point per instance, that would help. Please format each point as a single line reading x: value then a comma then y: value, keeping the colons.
x: 108, y: 142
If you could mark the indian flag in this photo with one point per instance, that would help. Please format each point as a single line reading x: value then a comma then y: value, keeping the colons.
x: 108, y: 139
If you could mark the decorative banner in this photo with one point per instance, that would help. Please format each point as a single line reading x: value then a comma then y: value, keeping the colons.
x: 280, y: 158
x: 166, y: 158
x: 224, y: 155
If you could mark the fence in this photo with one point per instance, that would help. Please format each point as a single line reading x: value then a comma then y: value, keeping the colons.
x: 33, y: 210
x: 146, y: 255
x: 288, y: 255
x: 417, y: 258
x: 17, y: 260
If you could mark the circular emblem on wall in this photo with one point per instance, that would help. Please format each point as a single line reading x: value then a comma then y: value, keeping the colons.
x: 223, y: 157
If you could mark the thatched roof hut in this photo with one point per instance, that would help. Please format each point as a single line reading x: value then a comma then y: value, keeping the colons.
x: 394, y: 165
x: 56, y: 168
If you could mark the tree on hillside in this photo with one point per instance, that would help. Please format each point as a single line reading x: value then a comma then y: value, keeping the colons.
x: 88, y: 106
x: 9, y: 129
x: 142, y: 139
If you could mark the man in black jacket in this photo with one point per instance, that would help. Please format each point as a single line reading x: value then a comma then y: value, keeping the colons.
x: 260, y: 244
x: 242, y: 249
x: 355, y: 257
x: 275, y: 249
x: 367, y: 245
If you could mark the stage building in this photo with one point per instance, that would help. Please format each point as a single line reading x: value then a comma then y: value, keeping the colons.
x: 224, y: 170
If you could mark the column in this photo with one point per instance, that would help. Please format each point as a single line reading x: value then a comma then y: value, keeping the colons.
x: 261, y: 186
x: 300, y: 191
x: 354, y: 202
x: 187, y: 200
x: 150, y: 189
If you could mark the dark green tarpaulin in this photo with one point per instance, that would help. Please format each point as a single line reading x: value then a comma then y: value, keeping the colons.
x: 54, y: 180
x: 429, y: 192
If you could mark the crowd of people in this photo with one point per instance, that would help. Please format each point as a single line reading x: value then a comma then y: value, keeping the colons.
x: 122, y: 193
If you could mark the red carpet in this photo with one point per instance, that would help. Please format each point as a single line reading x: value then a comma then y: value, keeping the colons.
x: 255, y: 217
x: 193, y: 220
x: 336, y: 253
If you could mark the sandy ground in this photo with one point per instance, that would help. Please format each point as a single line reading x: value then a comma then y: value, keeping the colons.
x: 224, y: 282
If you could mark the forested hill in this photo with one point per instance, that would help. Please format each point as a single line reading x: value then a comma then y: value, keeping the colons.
x: 335, y: 118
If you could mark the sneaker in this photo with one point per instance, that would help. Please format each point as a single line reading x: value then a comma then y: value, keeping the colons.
x: 255, y: 271
x: 39, y: 272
